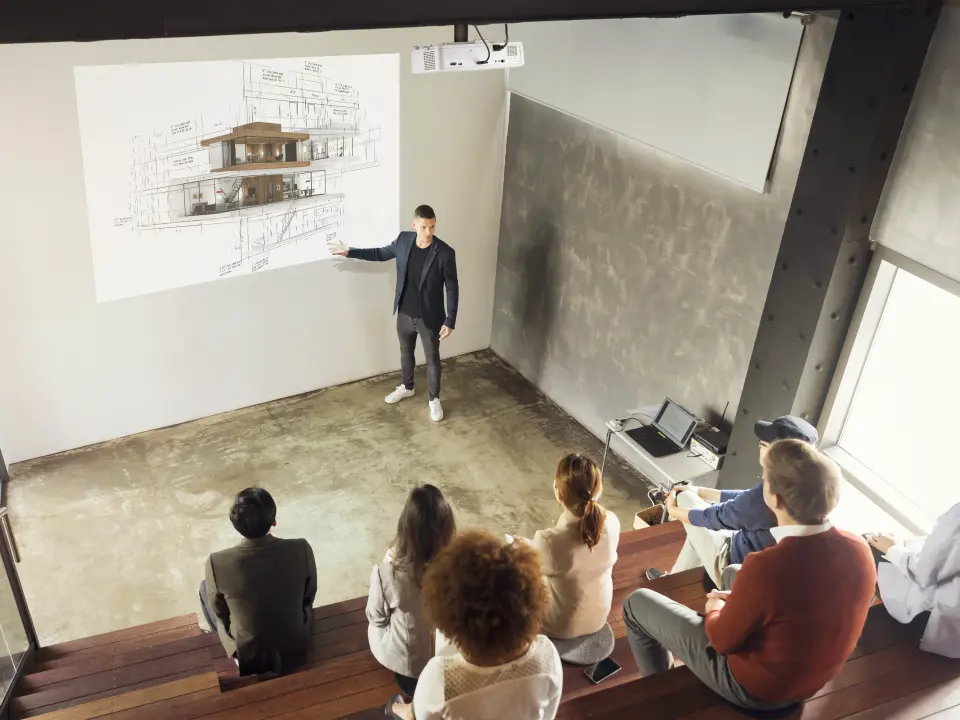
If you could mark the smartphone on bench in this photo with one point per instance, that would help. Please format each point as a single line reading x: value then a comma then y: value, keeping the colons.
x: 602, y: 670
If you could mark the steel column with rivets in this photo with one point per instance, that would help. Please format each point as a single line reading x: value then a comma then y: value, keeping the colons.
x: 871, y: 73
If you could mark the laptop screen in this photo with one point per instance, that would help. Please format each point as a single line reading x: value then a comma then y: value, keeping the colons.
x: 675, y: 422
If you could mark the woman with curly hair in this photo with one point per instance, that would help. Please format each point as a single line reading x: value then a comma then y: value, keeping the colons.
x: 578, y: 553
x: 487, y: 597
x: 400, y: 637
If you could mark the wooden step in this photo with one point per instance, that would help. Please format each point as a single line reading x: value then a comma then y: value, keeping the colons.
x: 138, y: 636
x: 95, y: 664
x: 321, y: 691
x: 47, y: 691
x: 196, y: 687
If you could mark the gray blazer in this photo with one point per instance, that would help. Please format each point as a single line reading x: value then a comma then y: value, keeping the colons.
x: 401, y: 639
x: 262, y: 593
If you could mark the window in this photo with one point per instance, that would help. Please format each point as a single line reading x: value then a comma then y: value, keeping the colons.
x: 890, y: 424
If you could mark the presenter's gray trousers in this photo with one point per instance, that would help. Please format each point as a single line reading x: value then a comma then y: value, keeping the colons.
x: 658, y: 627
x: 408, y: 329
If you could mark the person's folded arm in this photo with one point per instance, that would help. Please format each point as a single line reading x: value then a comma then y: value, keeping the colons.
x: 378, y: 611
x: 744, y: 511
x: 381, y: 254
x: 540, y: 544
x: 729, y: 628
x: 714, y: 496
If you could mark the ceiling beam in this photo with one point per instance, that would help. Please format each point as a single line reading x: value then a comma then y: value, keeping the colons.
x: 26, y: 21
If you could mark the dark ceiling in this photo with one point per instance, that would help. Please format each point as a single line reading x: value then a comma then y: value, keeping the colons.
x: 84, y: 20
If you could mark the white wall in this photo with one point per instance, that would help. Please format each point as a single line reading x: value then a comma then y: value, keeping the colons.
x: 919, y: 214
x: 74, y: 372
x: 709, y: 89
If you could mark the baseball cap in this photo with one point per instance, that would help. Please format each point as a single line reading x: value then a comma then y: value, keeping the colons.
x: 784, y: 427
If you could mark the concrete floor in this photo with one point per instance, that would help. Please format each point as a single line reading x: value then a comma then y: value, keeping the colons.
x: 116, y: 534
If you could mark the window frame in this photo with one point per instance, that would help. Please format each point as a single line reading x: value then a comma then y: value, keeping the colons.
x: 861, y: 335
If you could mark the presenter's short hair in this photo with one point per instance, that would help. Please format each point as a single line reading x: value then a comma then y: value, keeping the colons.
x: 485, y: 595
x: 806, y: 480
x: 425, y: 212
x: 253, y: 512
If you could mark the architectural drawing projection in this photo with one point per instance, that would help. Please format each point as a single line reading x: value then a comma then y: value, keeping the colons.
x: 198, y: 171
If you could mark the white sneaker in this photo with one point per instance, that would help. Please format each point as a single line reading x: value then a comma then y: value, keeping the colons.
x: 399, y: 394
x: 436, y: 410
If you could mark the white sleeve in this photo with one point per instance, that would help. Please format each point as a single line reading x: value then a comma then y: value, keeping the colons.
x: 937, y: 558
x: 901, y: 557
x: 556, y: 685
x: 428, y: 698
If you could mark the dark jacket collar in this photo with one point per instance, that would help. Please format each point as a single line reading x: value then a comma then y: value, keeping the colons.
x: 267, y: 539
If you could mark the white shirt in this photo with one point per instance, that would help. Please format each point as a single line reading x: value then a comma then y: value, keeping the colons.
x: 924, y: 574
x: 579, y: 578
x: 781, y: 531
x: 450, y: 688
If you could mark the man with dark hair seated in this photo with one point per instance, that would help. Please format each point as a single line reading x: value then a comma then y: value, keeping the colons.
x: 796, y: 609
x: 258, y: 596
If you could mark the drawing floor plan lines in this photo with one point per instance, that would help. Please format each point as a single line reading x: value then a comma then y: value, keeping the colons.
x: 197, y: 171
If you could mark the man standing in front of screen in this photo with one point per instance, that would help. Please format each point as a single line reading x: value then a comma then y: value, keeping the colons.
x: 425, y: 266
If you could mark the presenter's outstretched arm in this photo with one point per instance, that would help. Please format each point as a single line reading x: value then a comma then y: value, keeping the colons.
x: 452, y: 285
x: 387, y: 252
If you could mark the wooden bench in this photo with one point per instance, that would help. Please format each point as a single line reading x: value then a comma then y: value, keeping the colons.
x: 886, y: 676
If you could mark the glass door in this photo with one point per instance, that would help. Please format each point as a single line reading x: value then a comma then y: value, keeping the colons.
x: 18, y: 638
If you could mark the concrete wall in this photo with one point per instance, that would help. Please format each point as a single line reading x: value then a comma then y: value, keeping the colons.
x: 919, y: 213
x: 655, y: 80
x: 74, y: 372
x: 625, y: 274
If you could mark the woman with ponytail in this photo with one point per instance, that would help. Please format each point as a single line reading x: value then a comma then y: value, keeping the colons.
x: 577, y: 555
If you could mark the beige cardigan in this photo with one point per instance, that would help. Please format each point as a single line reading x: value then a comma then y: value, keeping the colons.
x: 400, y: 638
x: 580, y: 580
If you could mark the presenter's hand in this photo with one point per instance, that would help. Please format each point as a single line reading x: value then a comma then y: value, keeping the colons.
x: 337, y: 248
x: 445, y: 332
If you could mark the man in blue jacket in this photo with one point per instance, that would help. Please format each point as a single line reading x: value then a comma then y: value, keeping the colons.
x: 425, y: 267
x: 739, y: 521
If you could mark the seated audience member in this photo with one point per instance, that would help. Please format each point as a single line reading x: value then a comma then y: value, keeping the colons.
x: 400, y: 636
x: 258, y: 596
x: 796, y: 610
x: 577, y: 555
x: 487, y: 597
x: 739, y: 523
x: 922, y: 575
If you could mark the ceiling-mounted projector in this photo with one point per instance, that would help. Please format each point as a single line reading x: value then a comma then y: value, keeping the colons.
x: 463, y: 56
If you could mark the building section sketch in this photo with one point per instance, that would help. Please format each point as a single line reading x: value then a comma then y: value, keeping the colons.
x: 204, y: 170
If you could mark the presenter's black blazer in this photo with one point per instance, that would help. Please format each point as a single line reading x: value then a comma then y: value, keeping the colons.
x: 439, y: 271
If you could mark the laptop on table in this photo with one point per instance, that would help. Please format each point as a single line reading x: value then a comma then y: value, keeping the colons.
x: 669, y: 433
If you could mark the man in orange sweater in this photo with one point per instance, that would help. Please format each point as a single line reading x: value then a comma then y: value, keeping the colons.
x: 796, y: 609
